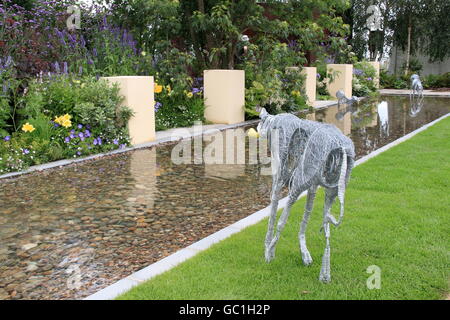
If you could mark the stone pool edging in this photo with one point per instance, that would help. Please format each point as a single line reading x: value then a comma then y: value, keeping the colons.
x: 182, y: 255
x: 407, y: 92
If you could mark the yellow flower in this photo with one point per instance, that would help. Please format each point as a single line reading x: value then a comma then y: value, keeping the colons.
x: 296, y: 93
x: 28, y: 127
x: 189, y: 95
x: 169, y: 89
x: 58, y: 120
x: 76, y: 81
x: 158, y: 88
x: 67, y: 123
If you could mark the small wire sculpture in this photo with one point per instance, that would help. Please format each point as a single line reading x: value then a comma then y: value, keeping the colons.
x: 305, y: 155
x: 416, y: 86
x: 342, y: 99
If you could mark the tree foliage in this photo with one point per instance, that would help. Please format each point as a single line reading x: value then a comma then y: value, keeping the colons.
x: 425, y: 20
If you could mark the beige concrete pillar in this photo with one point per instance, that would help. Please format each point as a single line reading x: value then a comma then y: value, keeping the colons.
x: 376, y: 65
x: 310, y: 83
x: 342, y: 79
x: 139, y: 96
x: 224, y: 96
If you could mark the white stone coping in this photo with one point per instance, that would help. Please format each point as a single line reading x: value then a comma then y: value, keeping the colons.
x: 406, y: 92
x: 182, y: 255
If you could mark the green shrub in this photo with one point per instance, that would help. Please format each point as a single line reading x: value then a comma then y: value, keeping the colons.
x: 392, y: 81
x: 270, y: 80
x: 437, y: 81
x: 364, y: 76
x: 179, y: 104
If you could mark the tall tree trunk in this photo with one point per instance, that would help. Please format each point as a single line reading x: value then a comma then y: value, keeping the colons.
x: 408, y: 49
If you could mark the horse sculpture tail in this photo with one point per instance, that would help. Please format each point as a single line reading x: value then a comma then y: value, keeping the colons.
x: 342, y: 184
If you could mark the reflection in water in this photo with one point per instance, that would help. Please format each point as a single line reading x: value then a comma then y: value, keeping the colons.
x: 416, y: 105
x: 331, y: 114
x: 383, y: 115
x: 66, y: 233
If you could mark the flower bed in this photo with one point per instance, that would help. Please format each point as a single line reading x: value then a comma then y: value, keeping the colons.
x: 62, y: 118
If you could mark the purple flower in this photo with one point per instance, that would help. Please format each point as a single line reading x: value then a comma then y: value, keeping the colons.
x: 7, y: 138
x: 369, y: 78
x: 81, y: 135
x: 87, y: 133
x: 98, y: 141
x: 116, y: 142
x: 67, y: 140
x: 72, y: 131
x: 318, y: 76
x: 122, y: 146
x: 25, y: 151
x: 158, y: 105
x: 196, y: 90
x: 72, y: 136
x: 78, y: 153
x: 80, y: 126
x: 358, y: 72
x: 8, y: 61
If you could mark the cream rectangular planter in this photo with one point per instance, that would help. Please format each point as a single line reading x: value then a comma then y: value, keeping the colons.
x: 224, y: 96
x: 376, y: 65
x: 342, y: 80
x: 139, y: 96
x: 310, y: 83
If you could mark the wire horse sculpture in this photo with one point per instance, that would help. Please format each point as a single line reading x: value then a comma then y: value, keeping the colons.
x: 306, y: 155
x: 416, y: 96
x: 416, y: 86
x: 342, y: 99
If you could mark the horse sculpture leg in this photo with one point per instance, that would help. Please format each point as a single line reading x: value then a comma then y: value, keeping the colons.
x: 270, y: 250
x: 325, y: 271
x: 275, y: 195
x: 306, y: 257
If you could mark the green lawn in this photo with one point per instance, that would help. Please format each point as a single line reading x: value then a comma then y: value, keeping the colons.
x: 397, y: 217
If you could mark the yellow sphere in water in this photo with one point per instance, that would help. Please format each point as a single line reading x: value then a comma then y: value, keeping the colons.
x: 252, y: 133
